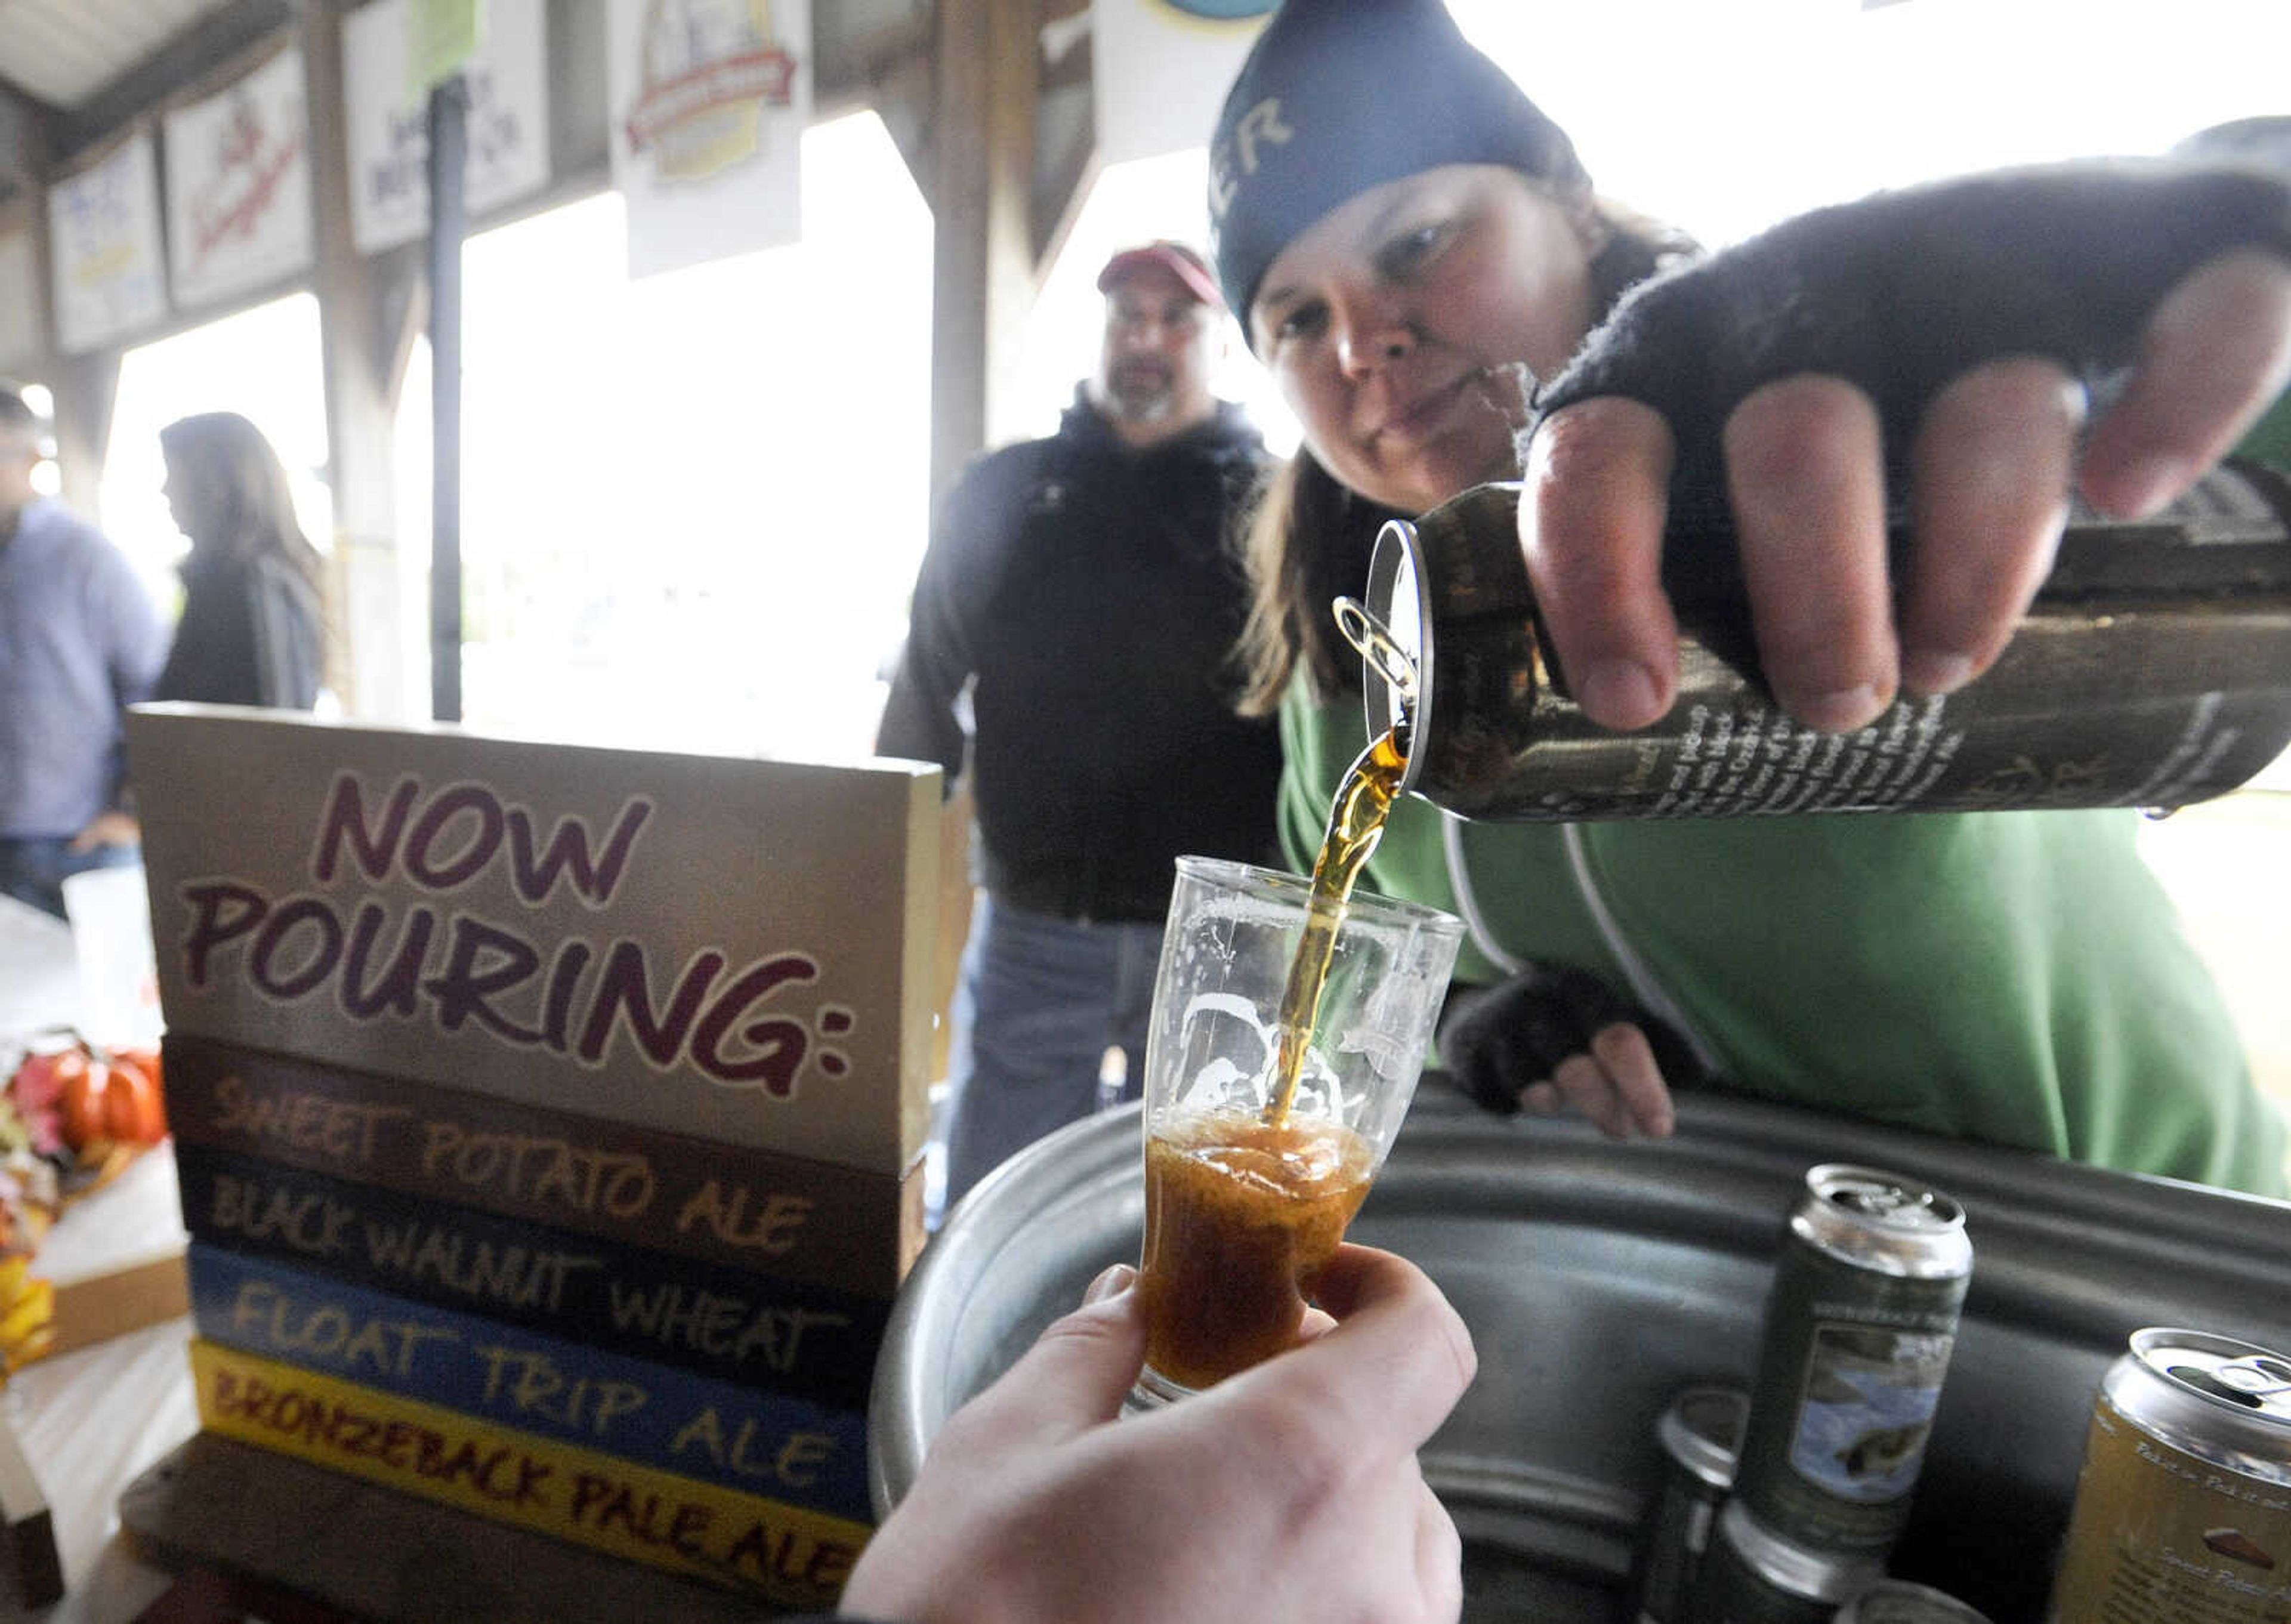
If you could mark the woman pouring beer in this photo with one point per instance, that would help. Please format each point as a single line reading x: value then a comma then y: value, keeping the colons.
x: 1420, y: 258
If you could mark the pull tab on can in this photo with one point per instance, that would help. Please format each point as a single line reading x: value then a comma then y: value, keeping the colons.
x: 2153, y: 669
x: 1373, y: 641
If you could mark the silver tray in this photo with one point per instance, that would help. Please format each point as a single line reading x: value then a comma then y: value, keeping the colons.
x: 1599, y: 1277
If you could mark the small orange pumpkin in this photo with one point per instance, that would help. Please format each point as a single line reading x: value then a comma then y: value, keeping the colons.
x: 146, y: 1061
x: 109, y: 1096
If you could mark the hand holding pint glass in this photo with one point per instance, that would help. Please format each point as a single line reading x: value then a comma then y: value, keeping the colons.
x: 1250, y: 1178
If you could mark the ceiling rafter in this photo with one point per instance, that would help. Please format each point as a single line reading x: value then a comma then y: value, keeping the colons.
x: 62, y: 52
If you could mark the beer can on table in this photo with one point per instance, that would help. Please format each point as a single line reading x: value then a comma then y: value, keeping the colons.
x: 1896, y: 1600
x: 1701, y: 1432
x: 2153, y: 669
x: 1859, y: 1329
x: 2184, y: 1504
x: 1753, y: 1575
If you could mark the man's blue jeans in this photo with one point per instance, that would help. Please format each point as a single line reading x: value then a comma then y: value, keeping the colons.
x: 33, y: 868
x: 1040, y: 1001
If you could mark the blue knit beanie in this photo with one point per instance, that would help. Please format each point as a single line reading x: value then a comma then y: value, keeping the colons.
x: 1339, y: 96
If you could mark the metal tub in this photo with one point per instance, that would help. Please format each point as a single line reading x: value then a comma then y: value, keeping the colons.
x: 1598, y: 1278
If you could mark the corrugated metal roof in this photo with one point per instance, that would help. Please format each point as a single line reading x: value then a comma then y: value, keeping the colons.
x: 63, y: 52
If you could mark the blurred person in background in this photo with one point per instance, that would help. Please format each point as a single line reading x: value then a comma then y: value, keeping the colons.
x: 252, y: 632
x: 1080, y: 598
x: 80, y: 641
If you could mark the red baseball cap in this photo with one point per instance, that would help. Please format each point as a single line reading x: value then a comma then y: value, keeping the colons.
x: 1180, y: 261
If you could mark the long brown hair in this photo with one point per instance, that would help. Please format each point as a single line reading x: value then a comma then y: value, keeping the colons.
x: 1309, y: 540
x: 227, y: 454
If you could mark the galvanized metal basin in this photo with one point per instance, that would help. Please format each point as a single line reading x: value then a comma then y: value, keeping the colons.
x: 1598, y: 1278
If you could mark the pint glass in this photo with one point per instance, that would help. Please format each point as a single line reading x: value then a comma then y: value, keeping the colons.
x: 1245, y: 1203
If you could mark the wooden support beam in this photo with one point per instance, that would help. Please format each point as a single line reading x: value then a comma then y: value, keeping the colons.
x: 23, y: 148
x: 1060, y: 193
x: 852, y: 62
x: 902, y: 99
x: 360, y: 354
x: 982, y: 283
x: 30, y: 141
x: 86, y: 388
x: 1065, y: 129
x: 400, y: 283
x: 888, y: 68
x: 217, y: 38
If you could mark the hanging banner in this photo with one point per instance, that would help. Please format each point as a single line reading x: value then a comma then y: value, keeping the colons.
x: 20, y: 294
x: 238, y: 185
x: 103, y: 238
x: 1162, y: 67
x: 708, y: 103
x: 389, y: 125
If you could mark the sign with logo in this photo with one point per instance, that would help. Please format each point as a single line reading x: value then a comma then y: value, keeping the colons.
x: 238, y: 185
x: 1162, y: 69
x: 731, y: 949
x: 389, y: 125
x: 708, y: 101
x: 103, y: 240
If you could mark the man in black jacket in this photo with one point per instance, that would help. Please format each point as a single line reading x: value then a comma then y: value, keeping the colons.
x: 1084, y: 592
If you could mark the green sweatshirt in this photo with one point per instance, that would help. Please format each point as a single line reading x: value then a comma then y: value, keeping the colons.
x: 2270, y: 439
x: 2017, y: 978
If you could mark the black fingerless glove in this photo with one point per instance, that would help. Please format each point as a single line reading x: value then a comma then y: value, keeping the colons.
x: 1496, y: 1040
x: 1901, y: 293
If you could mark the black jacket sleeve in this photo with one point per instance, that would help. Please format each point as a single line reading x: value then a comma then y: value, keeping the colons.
x: 969, y: 540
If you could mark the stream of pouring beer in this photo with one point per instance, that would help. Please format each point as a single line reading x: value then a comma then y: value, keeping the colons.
x: 1355, y: 824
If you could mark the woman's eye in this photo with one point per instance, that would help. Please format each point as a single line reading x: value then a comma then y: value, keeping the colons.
x: 1303, y: 321
x: 1410, y: 249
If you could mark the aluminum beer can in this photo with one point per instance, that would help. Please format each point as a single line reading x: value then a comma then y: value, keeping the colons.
x: 2184, y: 1504
x: 1859, y: 1329
x: 1753, y: 1575
x: 1700, y: 1434
x: 1896, y: 1600
x: 2153, y: 669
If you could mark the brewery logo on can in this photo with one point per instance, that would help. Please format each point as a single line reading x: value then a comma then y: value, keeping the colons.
x: 1753, y: 1575
x: 1896, y: 1600
x: 1859, y: 1329
x: 1700, y: 1434
x: 2184, y: 1506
